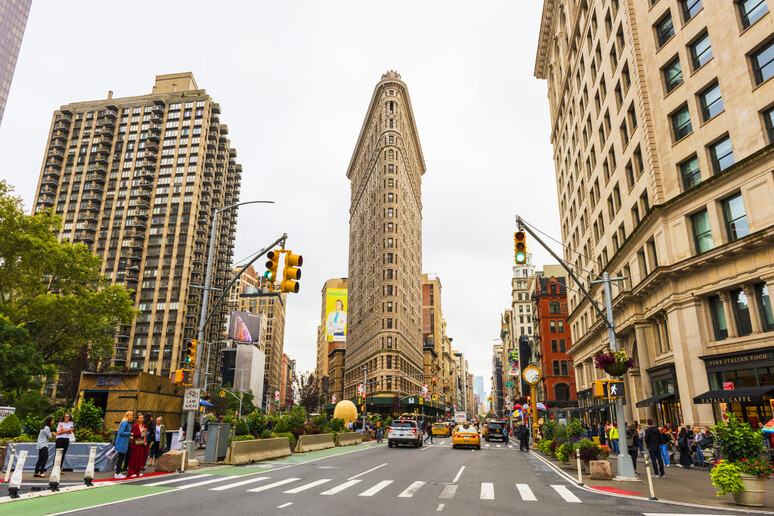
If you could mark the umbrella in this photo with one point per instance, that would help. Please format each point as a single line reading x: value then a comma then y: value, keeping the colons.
x: 205, y: 403
x: 516, y: 406
x: 542, y: 407
x: 769, y: 427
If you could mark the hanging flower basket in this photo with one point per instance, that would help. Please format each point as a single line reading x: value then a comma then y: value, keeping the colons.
x: 614, y: 363
x: 617, y: 369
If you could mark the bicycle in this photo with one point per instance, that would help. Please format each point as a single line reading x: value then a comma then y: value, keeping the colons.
x: 379, y: 435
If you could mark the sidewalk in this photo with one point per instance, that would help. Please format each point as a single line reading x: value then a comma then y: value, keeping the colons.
x: 679, y: 485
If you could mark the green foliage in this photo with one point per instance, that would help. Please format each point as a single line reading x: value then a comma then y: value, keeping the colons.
x: 586, y: 449
x: 320, y: 420
x: 549, y: 427
x: 32, y: 402
x: 243, y: 437
x: 87, y: 417
x: 282, y: 426
x: 563, y: 452
x: 337, y: 424
x: 31, y: 424
x: 545, y: 446
x: 296, y: 418
x: 387, y: 422
x: 290, y: 437
x: 737, y: 440
x: 10, y: 426
x: 85, y: 435
x: 561, y: 435
x: 307, y: 390
x: 575, y: 429
x: 256, y: 423
x: 760, y: 467
x: 241, y: 429
x: 725, y: 477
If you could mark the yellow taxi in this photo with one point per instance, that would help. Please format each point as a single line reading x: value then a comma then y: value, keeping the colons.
x: 441, y: 429
x: 466, y: 434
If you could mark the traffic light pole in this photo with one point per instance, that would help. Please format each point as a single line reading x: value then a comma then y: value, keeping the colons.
x: 625, y: 466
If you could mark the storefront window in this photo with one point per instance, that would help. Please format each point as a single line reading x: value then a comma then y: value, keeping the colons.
x: 742, y: 312
x: 718, y: 318
x: 764, y: 305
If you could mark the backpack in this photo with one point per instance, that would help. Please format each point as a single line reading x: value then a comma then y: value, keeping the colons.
x: 630, y: 438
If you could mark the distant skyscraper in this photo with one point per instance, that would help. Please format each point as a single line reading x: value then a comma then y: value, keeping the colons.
x: 478, y: 386
x: 13, y: 20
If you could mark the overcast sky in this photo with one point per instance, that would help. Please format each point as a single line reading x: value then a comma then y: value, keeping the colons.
x: 294, y: 80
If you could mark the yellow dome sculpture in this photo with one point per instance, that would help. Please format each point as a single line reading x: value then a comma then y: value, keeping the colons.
x: 345, y: 410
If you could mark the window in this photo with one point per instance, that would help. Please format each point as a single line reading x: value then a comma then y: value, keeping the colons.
x: 554, y: 346
x: 673, y: 75
x: 562, y: 392
x: 691, y: 173
x: 751, y: 11
x: 741, y: 308
x: 768, y: 119
x: 718, y: 318
x: 764, y: 306
x: 681, y: 123
x: 702, y: 232
x: 553, y: 308
x: 564, y: 367
x: 763, y: 63
x: 701, y: 51
x: 556, y: 367
x: 690, y: 8
x: 562, y: 345
x: 736, y: 219
x: 560, y: 326
x: 665, y: 29
x: 552, y: 325
x: 722, y: 155
x: 711, y: 102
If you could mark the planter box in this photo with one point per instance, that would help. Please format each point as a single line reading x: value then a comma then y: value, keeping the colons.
x: 753, y: 492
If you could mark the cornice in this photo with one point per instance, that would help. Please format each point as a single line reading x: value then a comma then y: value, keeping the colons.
x: 547, y: 21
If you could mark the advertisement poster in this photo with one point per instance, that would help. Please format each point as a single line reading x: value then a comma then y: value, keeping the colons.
x: 513, y: 362
x: 336, y: 315
x: 244, y: 327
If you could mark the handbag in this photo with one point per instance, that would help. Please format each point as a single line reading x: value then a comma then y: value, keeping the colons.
x: 139, y: 442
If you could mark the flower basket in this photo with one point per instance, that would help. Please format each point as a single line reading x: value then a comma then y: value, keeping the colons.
x: 614, y: 363
x: 617, y: 369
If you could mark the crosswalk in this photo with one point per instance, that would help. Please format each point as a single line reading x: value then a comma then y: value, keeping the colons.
x: 295, y: 485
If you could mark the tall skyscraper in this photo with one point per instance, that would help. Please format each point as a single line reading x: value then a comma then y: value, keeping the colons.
x: 13, y: 21
x: 478, y: 386
x: 385, y: 247
x: 662, y: 124
x: 135, y: 179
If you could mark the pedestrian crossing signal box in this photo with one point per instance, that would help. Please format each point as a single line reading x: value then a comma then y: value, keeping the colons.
x: 600, y: 388
x: 609, y: 389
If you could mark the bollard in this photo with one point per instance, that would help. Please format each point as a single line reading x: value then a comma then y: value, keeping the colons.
x: 89, y: 475
x: 580, y: 475
x: 16, y: 478
x: 650, y: 479
x: 56, y: 471
x: 185, y: 457
x: 10, y: 465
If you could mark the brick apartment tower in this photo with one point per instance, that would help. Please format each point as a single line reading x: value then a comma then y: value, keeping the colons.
x: 385, y: 247
x: 136, y: 179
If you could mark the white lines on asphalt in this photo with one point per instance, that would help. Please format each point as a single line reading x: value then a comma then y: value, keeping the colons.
x: 487, y: 445
x: 566, y: 494
x: 440, y: 507
x: 498, y: 445
x: 178, y: 479
x: 526, y: 493
x: 238, y: 484
x: 378, y: 487
x: 370, y: 470
x: 487, y: 491
x: 423, y: 449
x: 204, y: 482
x: 449, y: 491
x: 459, y: 474
x: 270, y: 486
x: 410, y: 490
x: 308, y: 486
x: 672, y: 514
x: 284, y: 505
x: 339, y: 488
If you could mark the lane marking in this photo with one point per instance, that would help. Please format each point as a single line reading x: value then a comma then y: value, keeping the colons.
x: 410, y: 490
x: 378, y: 487
x: 308, y: 486
x: 270, y: 486
x: 370, y: 470
x: 284, y: 505
x: 203, y: 483
x: 459, y: 474
x: 341, y: 487
x: 565, y: 493
x: 440, y: 507
x: 487, y: 446
x: 179, y: 479
x: 526, y: 493
x: 487, y: 491
x: 498, y: 445
x: 449, y: 491
x: 238, y: 484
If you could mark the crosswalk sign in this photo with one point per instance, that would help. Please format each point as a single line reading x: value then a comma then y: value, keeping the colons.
x: 616, y: 389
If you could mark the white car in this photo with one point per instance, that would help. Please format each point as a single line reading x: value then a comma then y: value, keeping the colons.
x: 404, y: 431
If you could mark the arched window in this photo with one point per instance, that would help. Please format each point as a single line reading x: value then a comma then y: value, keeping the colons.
x: 562, y: 392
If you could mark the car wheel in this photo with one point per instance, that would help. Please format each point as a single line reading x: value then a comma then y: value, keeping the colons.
x: 454, y: 446
x: 478, y: 447
x: 389, y: 444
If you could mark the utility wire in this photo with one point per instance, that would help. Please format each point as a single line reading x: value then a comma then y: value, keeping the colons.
x: 561, y: 244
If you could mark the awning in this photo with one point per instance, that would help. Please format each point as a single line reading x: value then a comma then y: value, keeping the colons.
x: 744, y: 395
x: 655, y: 399
x: 205, y: 403
x: 596, y: 407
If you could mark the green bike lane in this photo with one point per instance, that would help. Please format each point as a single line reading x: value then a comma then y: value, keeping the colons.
x: 100, y: 495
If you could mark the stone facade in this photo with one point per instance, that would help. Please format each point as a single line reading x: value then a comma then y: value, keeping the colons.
x: 438, y: 358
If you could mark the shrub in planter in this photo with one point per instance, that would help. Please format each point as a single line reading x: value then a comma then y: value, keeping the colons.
x: 548, y: 430
x: 298, y: 432
x: 311, y: 429
x: 256, y: 423
x: 586, y: 450
x: 545, y: 447
x: 737, y: 440
x: 88, y: 416
x: 319, y: 420
x: 281, y: 427
x: 552, y: 446
x: 290, y: 437
x: 244, y: 437
x: 726, y: 477
x: 760, y: 468
x: 241, y: 429
x: 604, y: 451
x: 337, y: 424
x: 563, y: 452
x: 575, y: 430
x: 10, y: 426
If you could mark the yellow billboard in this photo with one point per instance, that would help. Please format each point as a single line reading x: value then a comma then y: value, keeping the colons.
x: 336, y: 315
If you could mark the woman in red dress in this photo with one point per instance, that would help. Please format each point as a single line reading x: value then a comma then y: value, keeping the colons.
x: 137, y: 448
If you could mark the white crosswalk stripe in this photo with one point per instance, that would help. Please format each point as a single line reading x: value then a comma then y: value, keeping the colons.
x: 410, y: 490
x: 526, y: 493
x: 566, y: 494
x: 239, y: 484
x: 178, y: 479
x: 487, y: 491
x: 378, y: 487
x: 308, y: 486
x: 449, y: 491
x: 203, y: 483
x: 340, y: 488
x: 272, y: 485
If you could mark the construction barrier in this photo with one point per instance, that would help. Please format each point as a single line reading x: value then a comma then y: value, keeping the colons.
x: 245, y: 452
x: 307, y: 443
x: 348, y: 438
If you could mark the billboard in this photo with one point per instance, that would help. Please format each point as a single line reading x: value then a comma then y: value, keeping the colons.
x: 244, y: 327
x: 513, y: 362
x: 336, y: 315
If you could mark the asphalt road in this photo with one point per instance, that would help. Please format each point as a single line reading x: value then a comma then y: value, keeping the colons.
x: 433, y: 479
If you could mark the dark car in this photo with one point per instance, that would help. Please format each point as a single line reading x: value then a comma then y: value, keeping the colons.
x: 495, y: 430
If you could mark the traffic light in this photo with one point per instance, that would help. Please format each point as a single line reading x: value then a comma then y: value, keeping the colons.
x: 222, y: 394
x: 434, y: 380
x: 272, y: 265
x: 520, y: 244
x: 190, y: 352
x: 291, y: 272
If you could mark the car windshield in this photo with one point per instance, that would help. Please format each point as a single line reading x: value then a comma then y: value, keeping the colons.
x: 496, y: 426
x: 439, y: 425
x: 401, y: 424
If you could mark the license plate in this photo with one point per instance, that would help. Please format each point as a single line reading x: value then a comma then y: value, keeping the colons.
x: 467, y: 438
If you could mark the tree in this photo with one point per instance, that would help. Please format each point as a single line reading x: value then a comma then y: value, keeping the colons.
x: 396, y: 406
x: 308, y: 391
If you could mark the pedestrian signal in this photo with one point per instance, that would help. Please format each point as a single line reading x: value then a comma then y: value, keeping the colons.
x: 520, y: 245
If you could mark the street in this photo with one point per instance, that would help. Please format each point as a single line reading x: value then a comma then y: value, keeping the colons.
x: 435, y: 478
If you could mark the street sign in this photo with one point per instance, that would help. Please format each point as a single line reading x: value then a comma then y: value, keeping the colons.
x: 616, y: 389
x: 360, y: 390
x: 728, y: 386
x: 333, y: 398
x: 508, y: 385
x: 191, y: 399
x: 276, y: 395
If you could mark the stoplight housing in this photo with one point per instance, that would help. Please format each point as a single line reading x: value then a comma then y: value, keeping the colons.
x: 520, y: 247
x: 272, y: 264
x: 190, y: 352
x: 291, y: 273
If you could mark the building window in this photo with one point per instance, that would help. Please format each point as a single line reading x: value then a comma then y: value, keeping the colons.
x: 736, y: 219
x: 556, y: 367
x: 554, y: 346
x: 764, y: 306
x: 562, y: 345
x: 768, y: 118
x: 562, y: 392
x: 718, y: 318
x: 690, y: 8
x: 741, y: 312
x: 722, y: 155
x: 553, y: 307
x: 560, y: 326
x: 665, y: 29
x: 763, y: 63
x: 673, y: 74
x: 702, y: 232
x: 701, y: 51
x: 711, y: 102
x: 751, y: 11
x: 681, y: 123
x: 552, y: 325
x: 691, y: 173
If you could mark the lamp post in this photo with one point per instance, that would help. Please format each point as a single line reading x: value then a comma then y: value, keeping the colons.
x: 203, y: 313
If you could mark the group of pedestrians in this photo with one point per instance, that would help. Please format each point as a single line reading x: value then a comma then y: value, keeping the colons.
x: 65, y: 434
x: 137, y: 443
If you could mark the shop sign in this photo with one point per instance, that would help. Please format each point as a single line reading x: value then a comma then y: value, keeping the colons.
x: 730, y: 399
x: 728, y: 386
x: 108, y: 381
x: 716, y: 363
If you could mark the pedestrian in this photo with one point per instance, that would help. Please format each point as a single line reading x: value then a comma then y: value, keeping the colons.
x: 633, y: 444
x: 122, y: 444
x: 137, y: 447
x: 159, y: 435
x: 653, y: 444
x: 149, y: 426
x: 427, y: 427
x: 44, y: 437
x: 523, y: 438
x: 641, y: 434
x: 683, y: 444
x: 666, y: 445
x: 65, y: 434
x: 506, y: 432
x: 613, y: 435
x: 601, y: 433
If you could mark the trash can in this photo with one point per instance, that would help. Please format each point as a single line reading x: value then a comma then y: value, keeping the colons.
x: 217, y: 442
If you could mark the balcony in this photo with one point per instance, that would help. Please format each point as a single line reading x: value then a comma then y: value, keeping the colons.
x: 144, y: 194
x: 139, y: 224
x: 46, y: 200
x: 214, y: 119
x: 110, y: 113
x: 151, y: 157
x: 157, y: 117
x: 97, y: 178
x: 91, y: 197
x: 143, y: 204
x: 104, y: 132
x: 152, y: 146
x: 56, y: 154
x: 84, y: 236
x: 58, y: 143
x: 89, y: 215
x: 62, y: 125
x: 153, y: 137
x: 216, y: 108
x: 154, y: 129
x: 96, y: 188
x: 50, y: 180
x: 97, y: 168
x: 106, y: 122
x: 149, y: 164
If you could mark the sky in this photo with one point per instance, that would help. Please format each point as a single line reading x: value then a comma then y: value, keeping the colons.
x: 294, y: 80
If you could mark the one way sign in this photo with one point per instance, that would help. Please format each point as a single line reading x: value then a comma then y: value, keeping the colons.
x: 616, y: 389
